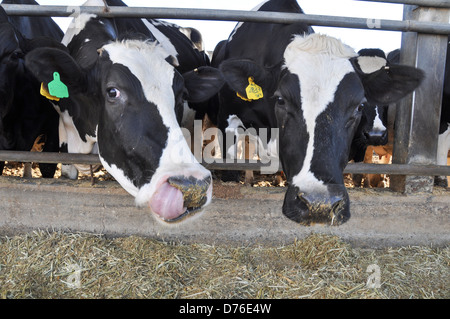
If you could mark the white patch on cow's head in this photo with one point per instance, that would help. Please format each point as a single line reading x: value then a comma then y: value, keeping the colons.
x: 320, y: 62
x: 147, y: 62
x: 378, y: 123
x: 69, y: 134
x: 165, y: 41
x: 118, y: 174
x: 76, y: 26
x: 370, y: 64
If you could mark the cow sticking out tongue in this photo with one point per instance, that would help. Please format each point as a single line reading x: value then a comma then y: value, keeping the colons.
x: 180, y: 196
x: 168, y: 202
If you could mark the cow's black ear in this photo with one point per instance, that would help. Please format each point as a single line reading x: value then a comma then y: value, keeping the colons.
x: 237, y: 73
x: 44, y: 42
x: 203, y: 83
x: 390, y: 83
x: 44, y: 62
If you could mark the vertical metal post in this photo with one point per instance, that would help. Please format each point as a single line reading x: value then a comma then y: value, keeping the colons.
x: 417, y: 119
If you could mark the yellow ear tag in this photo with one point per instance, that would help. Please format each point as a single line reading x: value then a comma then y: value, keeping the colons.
x: 46, y: 94
x: 254, y: 91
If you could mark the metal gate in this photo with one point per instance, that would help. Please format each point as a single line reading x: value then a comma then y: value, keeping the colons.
x: 425, y: 27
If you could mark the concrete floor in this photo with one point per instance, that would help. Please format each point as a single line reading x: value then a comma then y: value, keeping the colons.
x: 238, y: 215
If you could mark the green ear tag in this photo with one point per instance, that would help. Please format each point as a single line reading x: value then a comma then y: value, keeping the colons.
x: 58, y: 89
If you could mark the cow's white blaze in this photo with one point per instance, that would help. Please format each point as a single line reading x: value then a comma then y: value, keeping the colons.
x: 76, y: 26
x: 165, y: 41
x: 378, y: 123
x: 146, y: 61
x: 321, y: 63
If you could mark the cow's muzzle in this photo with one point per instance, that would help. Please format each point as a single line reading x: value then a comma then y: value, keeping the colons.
x: 181, y: 197
x: 317, y: 208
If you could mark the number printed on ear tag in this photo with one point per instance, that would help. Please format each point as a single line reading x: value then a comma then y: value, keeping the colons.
x: 254, y: 91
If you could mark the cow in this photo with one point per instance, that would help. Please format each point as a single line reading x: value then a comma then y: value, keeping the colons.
x: 313, y: 88
x: 172, y: 37
x: 371, y: 135
x: 372, y: 132
x: 124, y: 94
x: 27, y: 119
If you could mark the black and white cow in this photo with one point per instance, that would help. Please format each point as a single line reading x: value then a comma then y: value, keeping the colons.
x: 170, y: 36
x: 372, y: 132
x: 315, y: 88
x: 127, y: 96
x: 26, y: 116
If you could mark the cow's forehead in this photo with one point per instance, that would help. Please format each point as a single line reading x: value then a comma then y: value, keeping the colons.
x: 147, y: 62
x: 320, y: 62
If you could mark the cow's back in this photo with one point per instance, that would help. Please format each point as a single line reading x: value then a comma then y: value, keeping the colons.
x: 264, y: 43
x: 32, y: 27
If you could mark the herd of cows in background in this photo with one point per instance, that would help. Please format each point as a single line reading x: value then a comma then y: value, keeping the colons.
x: 131, y: 84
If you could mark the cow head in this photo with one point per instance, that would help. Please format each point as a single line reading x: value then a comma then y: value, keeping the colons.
x: 321, y: 92
x: 134, y: 95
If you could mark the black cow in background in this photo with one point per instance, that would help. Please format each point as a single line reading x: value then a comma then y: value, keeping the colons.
x: 26, y: 118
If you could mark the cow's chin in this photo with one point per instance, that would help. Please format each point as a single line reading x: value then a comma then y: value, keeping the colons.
x: 331, y: 209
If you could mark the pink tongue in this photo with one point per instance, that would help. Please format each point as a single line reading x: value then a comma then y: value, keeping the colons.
x: 167, y: 202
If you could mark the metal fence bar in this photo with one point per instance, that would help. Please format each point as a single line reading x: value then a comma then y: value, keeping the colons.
x: 421, y: 3
x: 355, y: 168
x: 231, y: 15
x: 245, y: 16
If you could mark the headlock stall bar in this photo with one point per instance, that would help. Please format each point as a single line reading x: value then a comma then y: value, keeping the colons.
x: 424, y: 43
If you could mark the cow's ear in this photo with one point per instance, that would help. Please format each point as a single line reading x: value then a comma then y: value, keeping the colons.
x: 44, y: 62
x: 44, y: 42
x: 238, y: 72
x: 202, y: 83
x: 390, y: 83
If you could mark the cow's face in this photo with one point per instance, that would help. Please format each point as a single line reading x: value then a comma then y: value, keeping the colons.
x: 318, y: 108
x: 322, y: 89
x: 321, y: 96
x: 137, y: 92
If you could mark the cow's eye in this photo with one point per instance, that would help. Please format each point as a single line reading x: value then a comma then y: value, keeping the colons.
x: 113, y: 93
x: 280, y: 100
x: 361, y: 106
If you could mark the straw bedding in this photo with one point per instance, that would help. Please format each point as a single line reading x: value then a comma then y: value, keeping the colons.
x: 75, y: 265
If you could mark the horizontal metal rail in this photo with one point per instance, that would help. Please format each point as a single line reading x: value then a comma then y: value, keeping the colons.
x: 354, y: 168
x: 231, y: 15
x: 421, y: 3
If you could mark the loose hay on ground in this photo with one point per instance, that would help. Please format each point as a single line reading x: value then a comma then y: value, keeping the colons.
x: 44, y: 265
